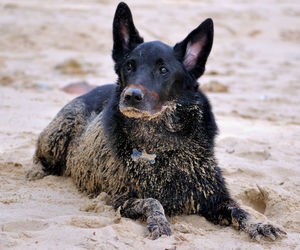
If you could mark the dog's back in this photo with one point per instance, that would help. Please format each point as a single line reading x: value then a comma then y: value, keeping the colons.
x: 54, y: 142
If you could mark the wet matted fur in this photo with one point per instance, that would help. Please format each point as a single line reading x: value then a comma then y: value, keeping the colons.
x: 147, y: 141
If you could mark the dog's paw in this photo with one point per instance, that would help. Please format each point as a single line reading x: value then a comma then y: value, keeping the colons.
x: 35, y: 173
x: 259, y: 230
x: 158, y: 225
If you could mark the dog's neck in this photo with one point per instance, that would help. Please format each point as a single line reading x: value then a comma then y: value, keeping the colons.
x: 164, y: 133
x: 167, y: 132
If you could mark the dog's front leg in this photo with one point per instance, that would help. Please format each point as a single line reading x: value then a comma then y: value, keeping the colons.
x: 243, y: 221
x: 228, y: 212
x: 152, y: 211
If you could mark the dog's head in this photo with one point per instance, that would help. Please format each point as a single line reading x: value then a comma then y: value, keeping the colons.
x: 152, y: 74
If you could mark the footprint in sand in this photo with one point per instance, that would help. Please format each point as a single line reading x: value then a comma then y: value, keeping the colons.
x: 255, y: 198
x: 25, y: 225
x: 90, y: 221
x: 255, y: 155
x: 245, y: 148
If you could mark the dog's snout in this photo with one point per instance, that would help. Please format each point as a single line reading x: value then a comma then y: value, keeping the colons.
x: 133, y: 96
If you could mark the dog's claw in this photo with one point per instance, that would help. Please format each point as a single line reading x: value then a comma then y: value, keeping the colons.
x: 258, y: 238
x: 280, y: 233
x: 273, y: 237
x: 158, y: 226
x: 257, y: 231
x: 34, y: 174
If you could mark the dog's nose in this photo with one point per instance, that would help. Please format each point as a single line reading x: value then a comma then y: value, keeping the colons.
x: 133, y: 96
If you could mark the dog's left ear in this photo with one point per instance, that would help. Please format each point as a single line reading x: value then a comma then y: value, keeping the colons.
x: 125, y: 35
x: 195, y: 48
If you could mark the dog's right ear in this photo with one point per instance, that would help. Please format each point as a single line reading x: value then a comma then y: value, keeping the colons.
x: 125, y: 35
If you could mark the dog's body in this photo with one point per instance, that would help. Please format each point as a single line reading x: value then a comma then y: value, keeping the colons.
x: 149, y: 140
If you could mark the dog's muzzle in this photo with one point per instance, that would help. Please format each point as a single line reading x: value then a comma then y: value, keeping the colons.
x: 138, y: 102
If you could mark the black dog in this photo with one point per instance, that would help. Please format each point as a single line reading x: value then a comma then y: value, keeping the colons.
x: 147, y: 141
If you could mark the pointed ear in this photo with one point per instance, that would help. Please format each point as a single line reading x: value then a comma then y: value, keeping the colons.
x: 195, y: 48
x: 125, y: 35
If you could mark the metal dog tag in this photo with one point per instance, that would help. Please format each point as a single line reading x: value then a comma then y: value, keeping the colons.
x: 136, y: 155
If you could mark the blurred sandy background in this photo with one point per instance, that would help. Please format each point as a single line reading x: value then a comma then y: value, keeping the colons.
x: 252, y: 80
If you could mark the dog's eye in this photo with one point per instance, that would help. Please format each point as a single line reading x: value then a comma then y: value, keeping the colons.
x: 163, y: 70
x: 129, y: 66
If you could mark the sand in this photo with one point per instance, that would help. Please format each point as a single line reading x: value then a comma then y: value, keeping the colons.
x: 253, y: 72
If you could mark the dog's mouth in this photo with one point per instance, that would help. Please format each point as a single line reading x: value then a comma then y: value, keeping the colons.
x: 133, y: 112
x: 138, y: 102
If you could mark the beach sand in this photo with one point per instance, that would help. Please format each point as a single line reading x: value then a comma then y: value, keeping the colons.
x: 254, y: 74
